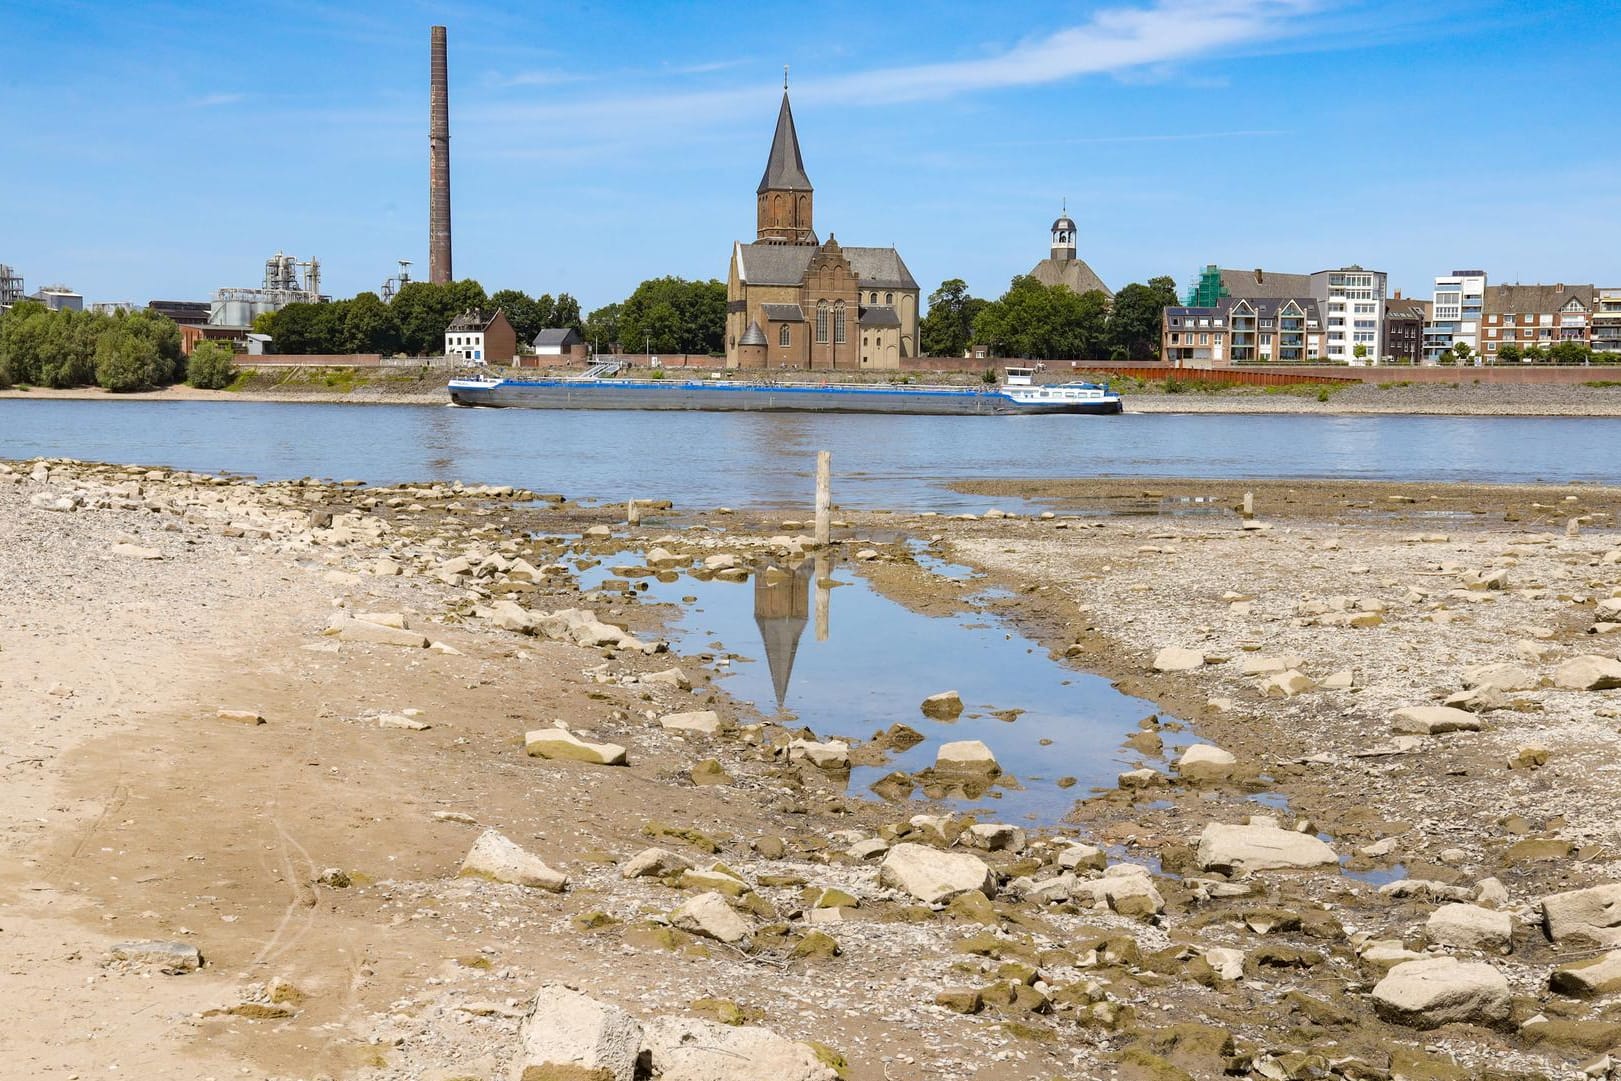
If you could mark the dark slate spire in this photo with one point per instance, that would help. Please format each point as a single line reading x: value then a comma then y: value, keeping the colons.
x: 785, y: 169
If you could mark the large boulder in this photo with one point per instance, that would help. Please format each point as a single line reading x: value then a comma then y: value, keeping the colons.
x: 654, y: 863
x: 1177, y: 659
x: 704, y: 722
x: 1259, y: 845
x: 833, y: 754
x: 363, y: 630
x: 1442, y: 991
x: 947, y: 705
x: 1590, y: 917
x: 567, y: 1034
x: 688, y: 1049
x: 932, y: 876
x: 173, y: 958
x: 1588, y: 977
x: 965, y: 756
x: 1470, y: 927
x: 1500, y: 677
x: 495, y: 857
x: 1589, y: 672
x: 1433, y: 720
x: 561, y: 743
x: 1204, y: 762
x: 709, y: 916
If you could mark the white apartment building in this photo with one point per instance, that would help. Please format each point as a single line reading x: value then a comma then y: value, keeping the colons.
x: 1460, y: 303
x: 1352, y: 300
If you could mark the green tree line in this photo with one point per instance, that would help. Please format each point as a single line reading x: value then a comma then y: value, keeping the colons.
x: 413, y: 323
x: 663, y: 315
x: 122, y: 352
x: 1048, y: 322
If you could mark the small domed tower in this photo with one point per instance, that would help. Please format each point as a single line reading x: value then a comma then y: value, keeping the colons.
x: 1064, y: 239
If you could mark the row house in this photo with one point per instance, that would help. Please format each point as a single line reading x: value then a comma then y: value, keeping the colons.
x: 1405, y: 319
x: 1353, y: 303
x: 1243, y: 330
x: 1459, y: 305
x: 1538, y: 316
x: 1607, y: 320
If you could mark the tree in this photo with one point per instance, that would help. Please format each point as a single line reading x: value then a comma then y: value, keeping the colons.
x: 1463, y: 351
x: 698, y: 307
x: 424, y: 309
x: 1509, y: 353
x: 1044, y: 322
x: 1569, y: 353
x: 125, y: 361
x: 522, y: 311
x: 1535, y: 354
x: 368, y: 326
x: 948, y: 327
x: 1448, y: 356
x: 300, y: 329
x: 565, y: 313
x: 1137, y: 317
x: 602, y: 327
x: 1360, y: 352
x: 212, y: 366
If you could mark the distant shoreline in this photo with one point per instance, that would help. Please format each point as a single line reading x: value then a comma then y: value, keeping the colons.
x: 1460, y: 400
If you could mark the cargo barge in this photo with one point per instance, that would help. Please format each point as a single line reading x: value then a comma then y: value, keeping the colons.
x: 1017, y: 395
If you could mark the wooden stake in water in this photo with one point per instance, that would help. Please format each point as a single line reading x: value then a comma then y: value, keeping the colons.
x: 823, y: 594
x: 633, y: 513
x: 824, y: 496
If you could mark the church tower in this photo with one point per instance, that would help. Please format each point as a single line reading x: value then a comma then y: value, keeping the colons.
x: 784, y: 212
x: 1063, y: 238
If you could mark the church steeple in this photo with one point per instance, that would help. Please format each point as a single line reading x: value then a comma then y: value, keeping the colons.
x: 784, y: 210
x: 1064, y: 237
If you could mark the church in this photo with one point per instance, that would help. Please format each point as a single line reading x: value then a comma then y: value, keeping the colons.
x: 793, y: 301
x: 1062, y: 267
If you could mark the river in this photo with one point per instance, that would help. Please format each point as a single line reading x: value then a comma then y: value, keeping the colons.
x: 752, y: 459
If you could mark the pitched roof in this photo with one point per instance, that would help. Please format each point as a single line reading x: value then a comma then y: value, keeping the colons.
x: 474, y: 319
x: 752, y: 336
x: 1071, y: 272
x: 1536, y: 299
x: 783, y: 313
x: 784, y: 264
x: 879, y: 317
x: 784, y: 169
x: 557, y: 336
x: 1265, y: 283
x: 1263, y: 307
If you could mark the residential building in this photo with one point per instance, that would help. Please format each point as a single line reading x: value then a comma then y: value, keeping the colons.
x: 1607, y: 320
x: 1352, y: 300
x: 1061, y: 267
x: 1241, y: 330
x: 1460, y: 301
x: 1535, y: 316
x: 792, y: 301
x: 1403, y: 341
x: 480, y: 337
x: 558, y: 342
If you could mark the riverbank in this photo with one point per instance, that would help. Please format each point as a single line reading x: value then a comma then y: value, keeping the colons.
x: 1463, y: 398
x: 313, y: 859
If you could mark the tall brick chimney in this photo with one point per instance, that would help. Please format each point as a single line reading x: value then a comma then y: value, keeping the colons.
x: 438, y: 162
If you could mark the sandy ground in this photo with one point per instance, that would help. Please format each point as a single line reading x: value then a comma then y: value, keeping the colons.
x: 313, y: 859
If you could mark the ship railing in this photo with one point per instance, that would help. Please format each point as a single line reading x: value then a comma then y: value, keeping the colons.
x: 602, y: 369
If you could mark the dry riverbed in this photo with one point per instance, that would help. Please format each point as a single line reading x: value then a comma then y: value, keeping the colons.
x: 377, y: 759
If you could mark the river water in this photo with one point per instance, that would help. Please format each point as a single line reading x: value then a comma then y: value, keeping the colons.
x: 744, y: 459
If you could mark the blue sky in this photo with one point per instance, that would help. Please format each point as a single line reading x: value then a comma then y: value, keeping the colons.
x: 165, y: 150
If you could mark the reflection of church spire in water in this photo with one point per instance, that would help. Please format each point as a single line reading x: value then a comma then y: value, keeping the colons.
x: 781, y: 610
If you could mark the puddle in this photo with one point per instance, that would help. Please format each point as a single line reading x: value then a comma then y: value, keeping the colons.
x: 1379, y: 876
x: 846, y: 661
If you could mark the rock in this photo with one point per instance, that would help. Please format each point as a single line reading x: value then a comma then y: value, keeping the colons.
x: 654, y: 863
x: 1177, y: 659
x: 494, y: 857
x: 1500, y: 677
x: 173, y: 958
x: 994, y: 837
x: 869, y: 849
x: 135, y: 551
x: 402, y: 721
x: 1589, y: 917
x: 1491, y: 893
x: 689, y: 1049
x: 965, y: 756
x: 239, y: 716
x: 1082, y: 858
x: 1342, y: 680
x: 932, y: 876
x: 569, y: 1035
x: 1228, y: 963
x: 1268, y: 666
x: 1287, y: 684
x: 510, y: 616
x: 1204, y: 762
x: 960, y: 1000
x: 1433, y: 720
x: 561, y: 743
x: 709, y: 916
x: 1529, y: 757
x: 1588, y: 977
x: 946, y: 705
x: 359, y: 630
x: 670, y: 677
x: 1589, y: 672
x: 396, y: 620
x: 1440, y: 991
x: 1127, y: 889
x: 832, y: 755
x: 704, y: 722
x: 1470, y: 927
x: 1478, y: 699
x: 1259, y: 846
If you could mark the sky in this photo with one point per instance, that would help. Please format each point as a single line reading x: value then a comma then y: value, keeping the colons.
x: 165, y: 150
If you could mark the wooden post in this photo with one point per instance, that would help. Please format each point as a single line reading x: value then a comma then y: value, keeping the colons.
x: 1249, y: 505
x: 824, y: 496
x: 633, y: 513
x: 823, y: 592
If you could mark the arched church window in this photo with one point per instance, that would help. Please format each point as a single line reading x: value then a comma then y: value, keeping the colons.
x: 821, y: 321
x: 783, y: 338
x: 889, y: 298
x: 838, y: 323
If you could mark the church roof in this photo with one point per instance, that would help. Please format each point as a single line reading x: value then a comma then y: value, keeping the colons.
x: 879, y: 317
x: 785, y: 264
x: 783, y: 313
x: 1071, y: 272
x: 784, y: 169
x: 752, y: 336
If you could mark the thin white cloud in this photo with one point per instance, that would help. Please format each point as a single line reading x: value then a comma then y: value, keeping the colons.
x: 534, y: 78
x: 214, y: 101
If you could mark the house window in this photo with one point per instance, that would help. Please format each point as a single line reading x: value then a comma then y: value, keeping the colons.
x: 838, y: 323
x: 784, y: 339
x: 821, y: 322
x: 889, y: 298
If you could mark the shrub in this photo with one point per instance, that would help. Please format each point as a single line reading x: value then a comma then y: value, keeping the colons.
x: 988, y: 376
x: 212, y: 366
x: 125, y: 361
